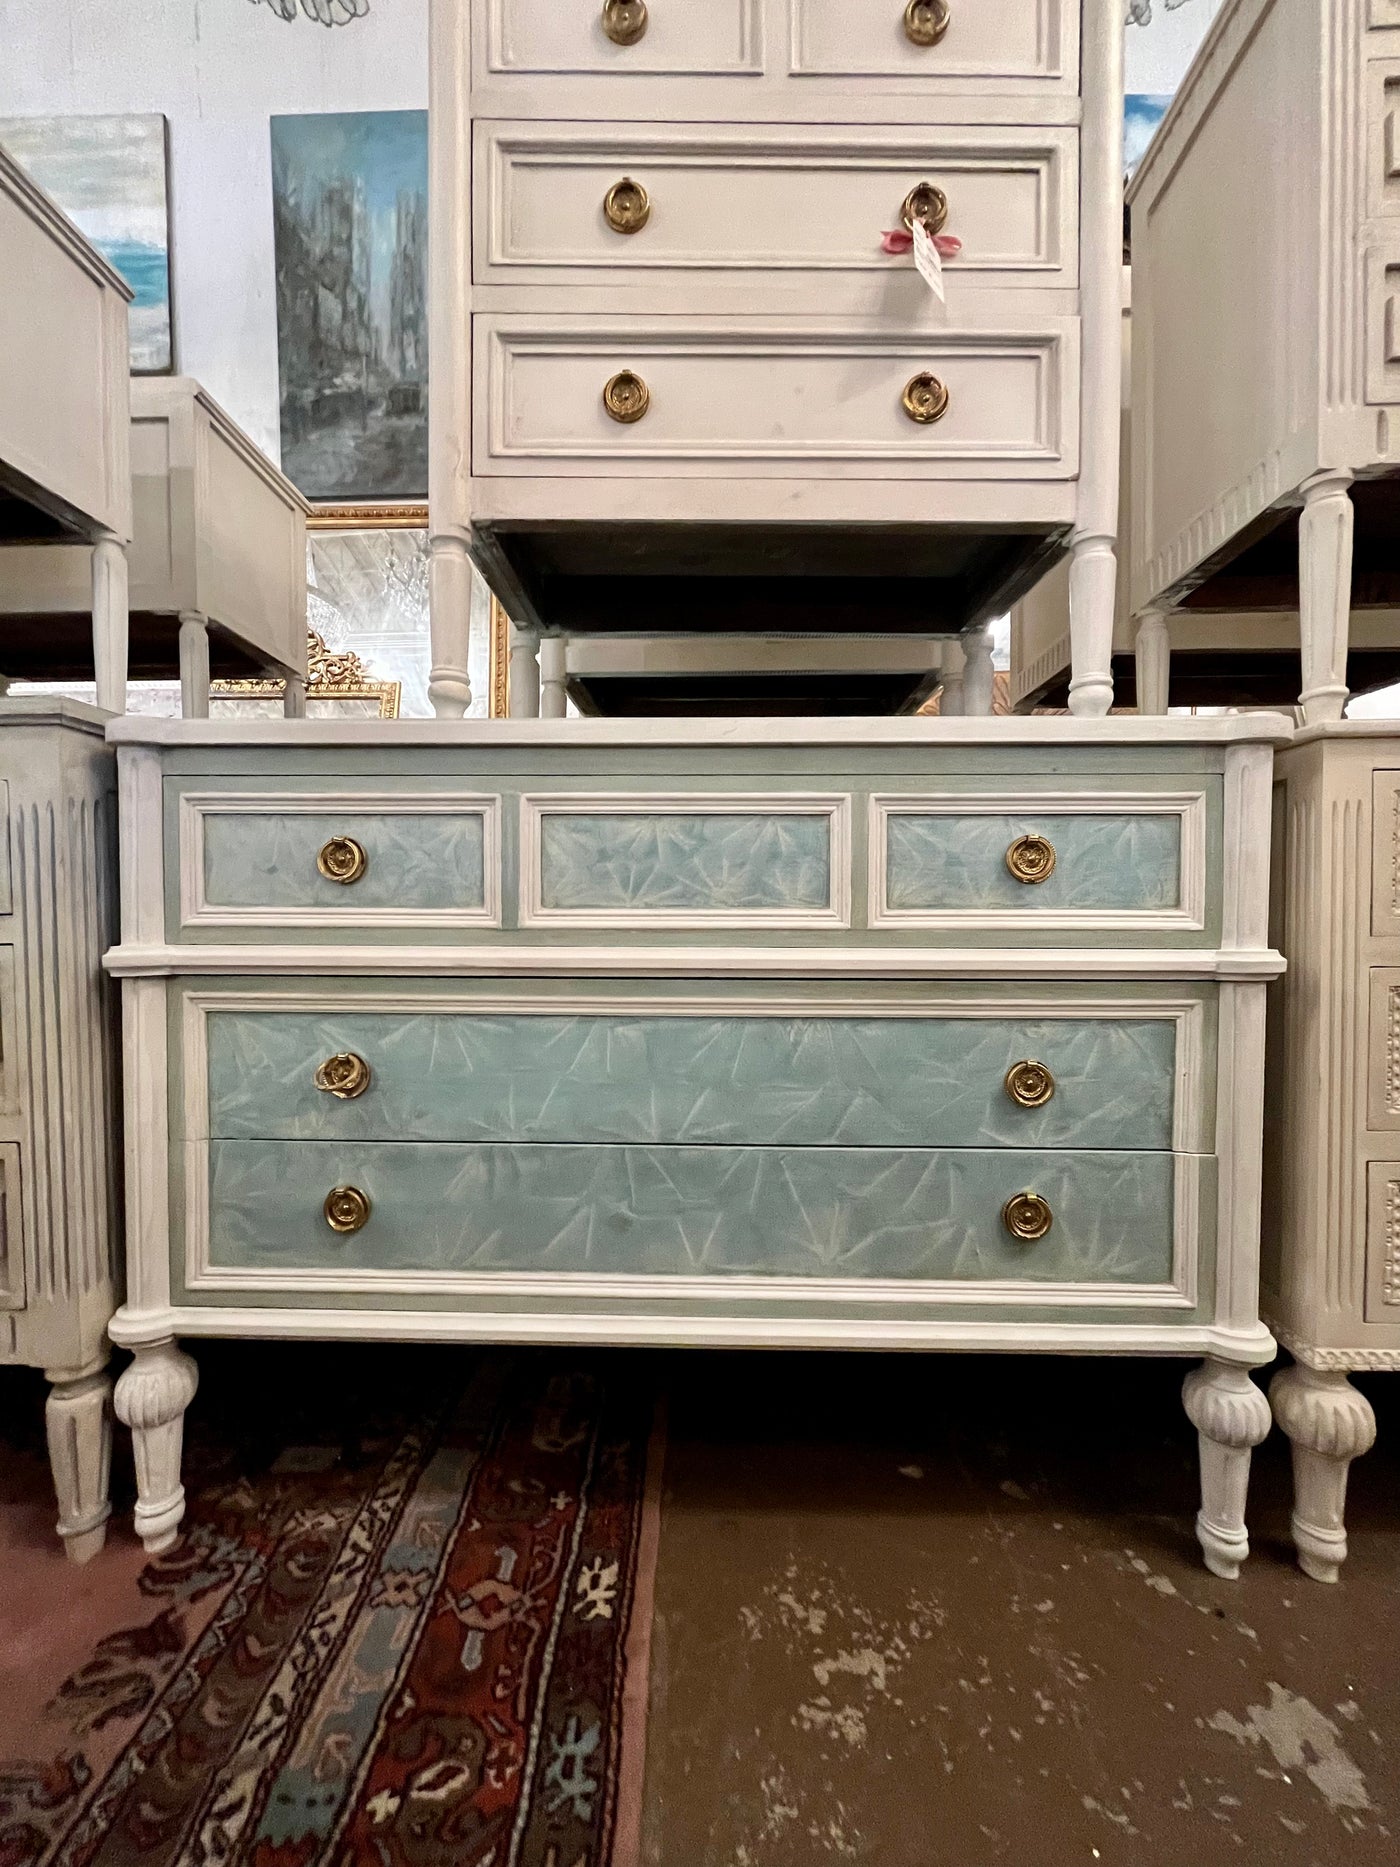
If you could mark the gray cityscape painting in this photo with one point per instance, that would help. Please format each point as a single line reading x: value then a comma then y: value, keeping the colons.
x: 350, y: 206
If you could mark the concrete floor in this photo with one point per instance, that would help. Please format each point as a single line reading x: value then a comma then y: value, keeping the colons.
x: 943, y: 1613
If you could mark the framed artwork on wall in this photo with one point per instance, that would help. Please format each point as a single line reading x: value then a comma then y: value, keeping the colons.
x: 350, y: 233
x: 108, y: 174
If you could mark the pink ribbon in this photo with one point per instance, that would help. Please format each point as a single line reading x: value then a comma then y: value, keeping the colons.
x: 948, y: 244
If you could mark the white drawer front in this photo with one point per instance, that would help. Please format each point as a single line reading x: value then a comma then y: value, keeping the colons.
x: 766, y: 200
x: 761, y: 401
x: 1383, y: 322
x: 985, y: 39
x: 695, y: 37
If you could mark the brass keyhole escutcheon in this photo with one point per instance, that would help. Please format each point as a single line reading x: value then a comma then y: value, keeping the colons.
x: 1027, y: 1217
x: 624, y: 21
x: 347, y: 1209
x: 1030, y: 1085
x: 626, y: 206
x: 1031, y: 859
x: 626, y: 397
x: 342, y: 860
x: 926, y: 203
x: 926, y: 21
x: 345, y: 1076
x: 925, y: 398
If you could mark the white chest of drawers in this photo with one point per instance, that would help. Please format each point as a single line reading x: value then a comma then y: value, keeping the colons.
x: 674, y: 374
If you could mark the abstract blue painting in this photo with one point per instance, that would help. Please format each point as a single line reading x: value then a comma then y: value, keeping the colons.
x: 108, y: 176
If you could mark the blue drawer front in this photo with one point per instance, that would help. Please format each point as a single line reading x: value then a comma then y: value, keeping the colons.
x: 942, y: 862
x: 693, y: 1212
x: 723, y: 1081
x: 674, y: 862
x: 267, y: 859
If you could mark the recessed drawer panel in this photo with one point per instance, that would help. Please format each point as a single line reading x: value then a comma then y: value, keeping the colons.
x: 1119, y: 861
x: 1383, y: 1242
x: 557, y: 202
x: 1385, y: 854
x: 692, y: 1212
x: 695, y: 37
x: 764, y: 402
x: 700, y: 1079
x: 263, y: 859
x: 12, y: 1287
x: 983, y: 39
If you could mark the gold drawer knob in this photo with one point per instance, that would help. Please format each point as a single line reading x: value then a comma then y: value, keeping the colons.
x: 345, y: 1075
x: 926, y: 21
x: 1030, y: 1085
x: 1027, y: 1217
x: 925, y: 398
x: 1031, y: 859
x: 626, y: 206
x: 343, y: 860
x: 624, y: 21
x: 626, y: 397
x: 928, y: 204
x: 346, y: 1208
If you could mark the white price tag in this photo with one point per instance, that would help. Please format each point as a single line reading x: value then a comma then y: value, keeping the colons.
x: 929, y: 261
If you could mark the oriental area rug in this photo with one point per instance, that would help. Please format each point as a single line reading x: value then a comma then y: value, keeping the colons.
x: 420, y: 1643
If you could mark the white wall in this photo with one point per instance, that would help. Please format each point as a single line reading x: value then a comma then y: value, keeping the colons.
x: 217, y: 70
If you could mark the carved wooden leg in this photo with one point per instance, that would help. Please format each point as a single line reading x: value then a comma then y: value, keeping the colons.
x: 1324, y: 594
x: 110, y: 622
x: 194, y: 665
x: 151, y: 1398
x: 524, y: 683
x: 1152, y: 648
x: 952, y: 703
x: 78, y: 1416
x: 450, y: 625
x: 1231, y: 1416
x: 1093, y: 595
x: 553, y: 670
x: 294, y: 698
x: 979, y: 676
x: 1329, y: 1423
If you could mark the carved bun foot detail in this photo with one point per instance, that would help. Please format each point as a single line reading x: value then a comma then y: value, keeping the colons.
x: 1231, y: 1416
x: 151, y: 1399
x: 1329, y: 1423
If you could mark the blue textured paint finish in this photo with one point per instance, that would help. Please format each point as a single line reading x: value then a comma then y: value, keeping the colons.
x: 832, y: 1081
x: 1112, y: 863
x: 671, y: 862
x: 693, y: 1211
x: 265, y: 859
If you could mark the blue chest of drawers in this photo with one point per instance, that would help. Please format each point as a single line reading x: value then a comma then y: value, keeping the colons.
x: 867, y: 1035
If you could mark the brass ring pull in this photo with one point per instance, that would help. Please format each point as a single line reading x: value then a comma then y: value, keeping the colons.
x: 342, y: 860
x: 347, y: 1209
x: 1030, y: 1085
x: 626, y: 206
x: 925, y: 398
x: 928, y: 204
x: 624, y: 21
x: 345, y: 1076
x: 1031, y: 859
x: 926, y: 21
x: 626, y: 397
x: 1027, y: 1217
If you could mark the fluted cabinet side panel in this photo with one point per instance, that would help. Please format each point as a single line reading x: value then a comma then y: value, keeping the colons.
x: 672, y: 862
x: 693, y: 1211
x: 1108, y: 862
x: 852, y: 1082
x: 260, y: 859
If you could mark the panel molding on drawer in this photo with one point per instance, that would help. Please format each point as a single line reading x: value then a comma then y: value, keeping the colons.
x: 12, y: 1277
x: 988, y: 40
x: 197, y: 808
x: 714, y: 38
x: 1382, y: 1299
x: 1187, y: 915
x: 760, y: 870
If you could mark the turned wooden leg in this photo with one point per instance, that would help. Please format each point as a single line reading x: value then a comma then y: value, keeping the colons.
x: 524, y: 678
x: 979, y: 676
x: 1093, y: 595
x: 110, y: 622
x: 78, y: 1418
x: 151, y: 1399
x: 553, y: 671
x: 294, y: 698
x: 450, y: 625
x: 1329, y: 1424
x: 1152, y: 648
x: 1324, y: 594
x: 1231, y: 1417
x: 194, y: 665
x: 953, y: 662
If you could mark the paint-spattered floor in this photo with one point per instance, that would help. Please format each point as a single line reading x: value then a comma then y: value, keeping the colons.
x: 941, y: 1613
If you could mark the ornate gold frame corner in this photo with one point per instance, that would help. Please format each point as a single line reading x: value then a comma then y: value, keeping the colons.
x: 329, y: 676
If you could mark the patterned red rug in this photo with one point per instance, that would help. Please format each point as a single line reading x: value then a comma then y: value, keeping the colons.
x: 421, y: 1643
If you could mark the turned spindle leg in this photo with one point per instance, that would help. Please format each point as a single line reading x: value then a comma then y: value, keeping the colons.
x: 1231, y: 1417
x: 151, y: 1398
x: 1093, y: 594
x: 979, y: 675
x: 110, y: 621
x: 1329, y: 1423
x: 1324, y: 594
x: 78, y: 1419
x: 194, y: 665
x: 449, y: 624
x: 524, y: 683
x: 1152, y: 649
